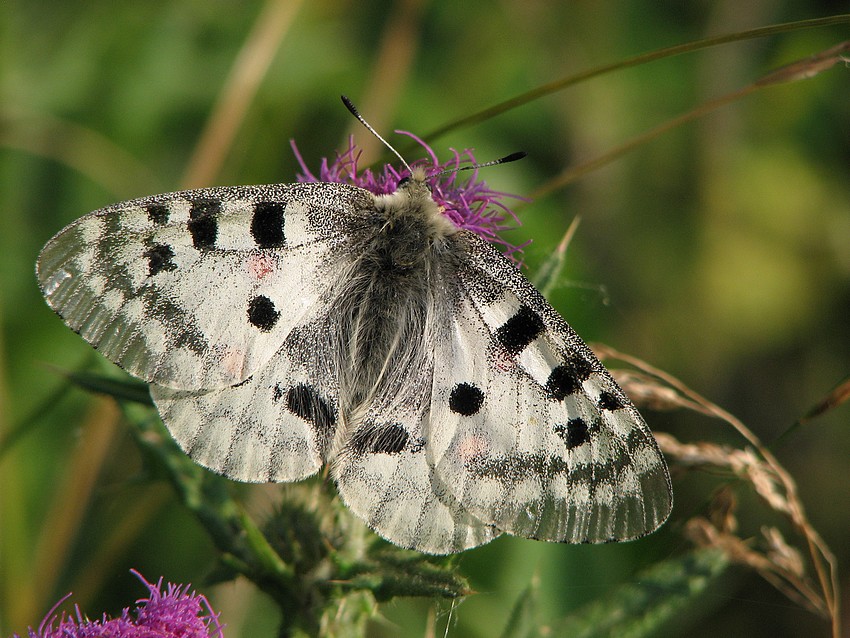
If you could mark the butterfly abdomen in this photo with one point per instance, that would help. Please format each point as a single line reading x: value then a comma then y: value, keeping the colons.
x: 389, y: 298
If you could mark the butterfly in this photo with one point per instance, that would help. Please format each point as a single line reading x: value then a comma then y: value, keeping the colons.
x: 284, y: 328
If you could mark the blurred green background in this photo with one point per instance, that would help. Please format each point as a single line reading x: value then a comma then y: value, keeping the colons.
x: 719, y: 252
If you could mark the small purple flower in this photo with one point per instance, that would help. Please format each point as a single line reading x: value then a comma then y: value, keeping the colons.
x: 468, y: 203
x: 174, y: 614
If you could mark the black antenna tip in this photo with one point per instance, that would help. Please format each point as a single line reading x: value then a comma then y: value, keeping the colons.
x: 513, y: 157
x: 350, y: 106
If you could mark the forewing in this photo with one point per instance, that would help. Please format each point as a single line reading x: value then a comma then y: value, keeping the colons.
x: 528, y: 429
x: 276, y: 425
x: 198, y: 289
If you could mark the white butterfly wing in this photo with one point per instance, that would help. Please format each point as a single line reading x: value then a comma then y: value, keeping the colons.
x: 385, y: 476
x: 198, y: 289
x: 527, y: 428
x: 276, y: 425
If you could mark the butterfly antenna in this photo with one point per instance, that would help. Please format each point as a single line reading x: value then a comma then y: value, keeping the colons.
x: 502, y: 160
x: 350, y: 106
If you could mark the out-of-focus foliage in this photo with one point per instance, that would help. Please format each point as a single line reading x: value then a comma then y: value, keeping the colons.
x: 718, y: 252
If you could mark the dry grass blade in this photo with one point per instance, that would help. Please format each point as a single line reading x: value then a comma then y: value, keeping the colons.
x: 239, y: 90
x: 68, y: 507
x: 79, y: 147
x: 390, y: 71
x: 563, y: 83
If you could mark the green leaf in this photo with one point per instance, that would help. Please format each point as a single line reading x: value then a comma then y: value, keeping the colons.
x: 641, y: 608
x: 127, y: 389
x: 390, y: 571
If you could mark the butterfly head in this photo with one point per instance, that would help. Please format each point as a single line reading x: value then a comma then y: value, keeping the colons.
x: 431, y: 190
x: 413, y: 199
x: 416, y: 184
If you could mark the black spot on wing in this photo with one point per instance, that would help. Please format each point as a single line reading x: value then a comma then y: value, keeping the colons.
x: 379, y: 439
x: 574, y: 433
x: 267, y: 224
x: 203, y: 222
x: 158, y: 213
x: 610, y: 401
x: 520, y: 330
x: 159, y: 258
x: 262, y: 313
x: 466, y: 399
x: 566, y: 378
x: 304, y: 402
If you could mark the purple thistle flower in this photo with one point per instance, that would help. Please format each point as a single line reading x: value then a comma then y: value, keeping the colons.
x: 468, y: 203
x: 174, y: 614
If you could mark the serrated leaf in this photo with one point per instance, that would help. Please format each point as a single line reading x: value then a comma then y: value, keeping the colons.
x: 392, y: 572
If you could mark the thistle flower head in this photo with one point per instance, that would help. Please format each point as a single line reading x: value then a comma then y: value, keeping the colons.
x: 175, y: 613
x: 467, y: 201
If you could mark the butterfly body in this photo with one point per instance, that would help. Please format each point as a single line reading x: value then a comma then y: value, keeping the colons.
x: 287, y: 327
x: 407, y: 249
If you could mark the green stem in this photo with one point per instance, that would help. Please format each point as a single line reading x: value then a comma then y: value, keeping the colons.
x: 798, y: 70
x: 651, y: 56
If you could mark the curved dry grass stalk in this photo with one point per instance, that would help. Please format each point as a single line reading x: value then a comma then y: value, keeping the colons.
x: 67, y: 510
x: 79, y: 147
x: 772, y: 557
